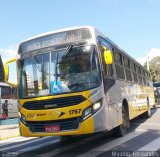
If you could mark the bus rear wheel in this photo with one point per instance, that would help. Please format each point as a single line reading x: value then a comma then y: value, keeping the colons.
x: 148, y: 113
x: 122, y: 129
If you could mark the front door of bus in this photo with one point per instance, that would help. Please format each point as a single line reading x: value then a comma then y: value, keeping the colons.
x: 109, y: 86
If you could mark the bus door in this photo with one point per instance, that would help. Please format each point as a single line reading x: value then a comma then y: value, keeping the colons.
x: 109, y: 86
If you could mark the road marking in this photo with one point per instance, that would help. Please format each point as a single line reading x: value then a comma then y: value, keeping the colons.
x: 21, y: 151
x: 112, y: 144
x: 67, y: 147
x: 97, y: 150
x: 14, y: 140
x: 11, y: 139
x: 152, y: 146
x: 21, y: 144
x: 8, y: 137
x: 140, y: 130
x: 157, y: 124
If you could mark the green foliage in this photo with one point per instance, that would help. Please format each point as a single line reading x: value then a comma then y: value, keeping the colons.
x: 154, y: 68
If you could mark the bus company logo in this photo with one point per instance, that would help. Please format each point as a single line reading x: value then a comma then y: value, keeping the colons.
x: 51, y: 114
x: 60, y: 114
x: 51, y: 106
x: 41, y: 114
x: 31, y: 116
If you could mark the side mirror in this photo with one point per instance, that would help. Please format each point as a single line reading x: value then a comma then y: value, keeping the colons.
x: 107, y: 55
x: 8, y: 70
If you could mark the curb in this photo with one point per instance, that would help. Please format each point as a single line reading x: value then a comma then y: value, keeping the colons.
x: 9, y: 121
x: 4, y: 138
x: 9, y: 127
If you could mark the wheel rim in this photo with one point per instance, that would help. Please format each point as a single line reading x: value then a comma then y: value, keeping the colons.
x: 149, y: 109
x: 124, y: 122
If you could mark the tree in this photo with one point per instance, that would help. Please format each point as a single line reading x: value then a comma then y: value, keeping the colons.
x: 154, y: 68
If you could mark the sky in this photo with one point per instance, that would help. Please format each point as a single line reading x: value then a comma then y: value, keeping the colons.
x: 134, y: 25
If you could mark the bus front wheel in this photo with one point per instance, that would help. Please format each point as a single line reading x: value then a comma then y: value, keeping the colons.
x: 122, y: 129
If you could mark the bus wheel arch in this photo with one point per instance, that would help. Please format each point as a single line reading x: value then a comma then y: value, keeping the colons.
x: 148, y: 114
x: 122, y: 129
x: 125, y: 105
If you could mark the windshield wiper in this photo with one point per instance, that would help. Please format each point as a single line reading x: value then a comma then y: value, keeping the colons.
x: 36, y: 62
x: 68, y: 49
x: 56, y: 66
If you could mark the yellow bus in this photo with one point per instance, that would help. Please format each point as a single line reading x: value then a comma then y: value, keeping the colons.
x: 76, y: 81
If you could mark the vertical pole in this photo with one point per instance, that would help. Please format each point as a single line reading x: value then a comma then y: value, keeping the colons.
x: 148, y: 64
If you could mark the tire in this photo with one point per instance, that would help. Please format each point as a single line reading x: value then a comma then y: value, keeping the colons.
x: 148, y: 114
x: 122, y: 129
x: 155, y: 106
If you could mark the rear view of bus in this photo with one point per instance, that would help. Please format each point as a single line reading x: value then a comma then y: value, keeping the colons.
x: 60, y: 84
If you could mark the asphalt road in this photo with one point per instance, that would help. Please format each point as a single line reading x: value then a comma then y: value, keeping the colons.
x: 142, y: 140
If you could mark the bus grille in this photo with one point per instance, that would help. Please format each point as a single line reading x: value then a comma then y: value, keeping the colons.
x: 54, y: 103
x: 66, y: 124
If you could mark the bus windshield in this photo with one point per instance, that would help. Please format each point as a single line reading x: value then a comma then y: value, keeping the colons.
x: 60, y: 71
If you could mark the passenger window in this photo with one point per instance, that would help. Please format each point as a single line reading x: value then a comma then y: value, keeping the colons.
x: 118, y: 58
x: 133, y: 67
x: 126, y: 63
x: 107, y: 68
x: 135, y: 77
x: 127, y: 69
x: 119, y: 64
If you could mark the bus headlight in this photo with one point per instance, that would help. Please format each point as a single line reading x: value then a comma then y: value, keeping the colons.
x: 91, y: 110
x: 23, y: 118
x: 87, y: 113
x: 96, y: 106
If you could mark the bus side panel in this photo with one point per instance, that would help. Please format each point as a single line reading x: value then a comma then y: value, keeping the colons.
x: 101, y: 117
x: 114, y: 100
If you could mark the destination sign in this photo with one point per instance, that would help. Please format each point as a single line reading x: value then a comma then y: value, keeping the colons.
x: 55, y: 39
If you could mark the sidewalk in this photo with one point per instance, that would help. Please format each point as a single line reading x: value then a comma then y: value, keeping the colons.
x: 9, y: 131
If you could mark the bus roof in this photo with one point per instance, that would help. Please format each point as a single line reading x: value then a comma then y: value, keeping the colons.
x: 92, y: 29
x: 57, y: 31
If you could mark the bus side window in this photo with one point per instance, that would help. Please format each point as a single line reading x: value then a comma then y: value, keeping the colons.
x: 119, y: 64
x: 127, y: 67
x: 107, y: 68
x: 5, y: 92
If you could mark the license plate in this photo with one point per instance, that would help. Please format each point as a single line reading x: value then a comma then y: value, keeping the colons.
x: 52, y: 128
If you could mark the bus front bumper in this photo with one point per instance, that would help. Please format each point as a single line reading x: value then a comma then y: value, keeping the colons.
x: 85, y: 127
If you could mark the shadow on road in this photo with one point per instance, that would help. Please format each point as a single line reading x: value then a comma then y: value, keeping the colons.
x: 77, y: 146
x: 140, y: 120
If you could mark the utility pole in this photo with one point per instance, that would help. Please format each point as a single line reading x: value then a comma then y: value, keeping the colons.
x: 148, y: 63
